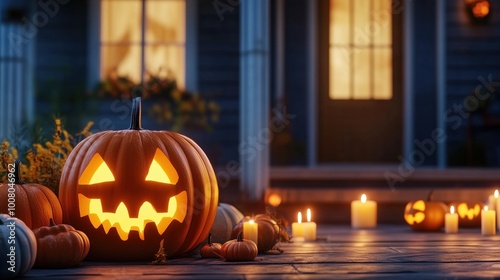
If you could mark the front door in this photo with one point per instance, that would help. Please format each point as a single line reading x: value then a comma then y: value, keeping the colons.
x: 360, y: 83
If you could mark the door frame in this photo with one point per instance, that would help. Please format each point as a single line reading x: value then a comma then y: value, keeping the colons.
x: 313, y: 81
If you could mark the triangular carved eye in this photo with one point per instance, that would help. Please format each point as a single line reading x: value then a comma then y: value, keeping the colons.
x: 97, y: 171
x: 162, y: 170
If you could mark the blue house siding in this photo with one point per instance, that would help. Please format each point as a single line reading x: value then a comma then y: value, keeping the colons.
x: 218, y: 78
x: 62, y: 47
x: 473, y: 51
x: 296, y: 65
x: 424, y: 69
x: 61, y: 65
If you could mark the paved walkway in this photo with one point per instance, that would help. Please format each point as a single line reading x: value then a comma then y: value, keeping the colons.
x: 339, y: 253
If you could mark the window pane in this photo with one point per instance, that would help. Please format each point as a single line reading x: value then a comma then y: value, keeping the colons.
x: 166, y: 58
x: 166, y: 21
x: 120, y: 21
x: 382, y: 86
x: 121, y: 35
x: 381, y: 22
x: 360, y: 49
x: 123, y: 60
x: 361, y: 64
x: 361, y: 23
x: 339, y: 73
x: 339, y: 22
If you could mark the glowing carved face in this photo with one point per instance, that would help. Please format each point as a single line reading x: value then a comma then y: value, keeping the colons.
x: 464, y: 212
x: 414, y: 213
x: 161, y: 171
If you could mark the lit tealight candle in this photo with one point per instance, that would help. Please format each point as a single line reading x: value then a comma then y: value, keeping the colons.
x: 488, y: 221
x: 363, y: 213
x: 298, y: 229
x: 309, y: 228
x: 451, y: 221
x: 251, y: 231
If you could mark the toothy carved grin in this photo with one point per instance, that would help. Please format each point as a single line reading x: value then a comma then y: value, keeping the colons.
x: 122, y: 221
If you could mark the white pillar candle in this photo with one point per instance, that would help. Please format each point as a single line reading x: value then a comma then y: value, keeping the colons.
x: 298, y: 229
x: 497, y: 206
x: 488, y: 219
x: 251, y: 231
x: 363, y: 213
x: 451, y: 221
x: 309, y: 228
x: 492, y: 201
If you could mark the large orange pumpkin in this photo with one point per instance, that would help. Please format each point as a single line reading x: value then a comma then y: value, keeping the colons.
x: 130, y: 189
x: 34, y: 204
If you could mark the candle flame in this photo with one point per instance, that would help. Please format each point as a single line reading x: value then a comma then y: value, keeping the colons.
x: 299, y: 217
x: 251, y: 222
x: 363, y: 198
x: 308, y: 215
x: 485, y: 208
x: 496, y: 194
x: 452, y: 209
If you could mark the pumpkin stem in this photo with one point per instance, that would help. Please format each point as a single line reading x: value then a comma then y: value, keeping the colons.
x: 51, y: 222
x: 17, y: 172
x: 430, y: 196
x: 239, y: 238
x: 210, y: 239
x: 135, y: 117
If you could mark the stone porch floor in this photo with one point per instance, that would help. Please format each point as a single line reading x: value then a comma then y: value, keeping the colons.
x: 388, y: 252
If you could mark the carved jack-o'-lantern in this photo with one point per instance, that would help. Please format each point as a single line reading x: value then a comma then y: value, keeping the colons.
x: 425, y: 215
x: 469, y: 214
x: 130, y: 189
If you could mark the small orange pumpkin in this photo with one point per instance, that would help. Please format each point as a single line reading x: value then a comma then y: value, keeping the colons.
x: 239, y: 249
x: 60, y: 246
x: 34, y: 204
x: 211, y: 250
x: 425, y: 215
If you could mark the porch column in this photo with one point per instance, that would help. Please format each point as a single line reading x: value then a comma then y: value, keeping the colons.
x: 16, y: 72
x: 255, y: 136
x: 408, y: 37
x: 441, y: 78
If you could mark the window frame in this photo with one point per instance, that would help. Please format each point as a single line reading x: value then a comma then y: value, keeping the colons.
x: 94, y: 45
x: 353, y: 48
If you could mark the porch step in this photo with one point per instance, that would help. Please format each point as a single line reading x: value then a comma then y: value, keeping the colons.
x: 380, y: 177
x: 328, y: 191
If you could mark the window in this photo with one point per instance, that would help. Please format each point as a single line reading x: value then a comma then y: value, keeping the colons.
x: 360, y: 49
x: 133, y: 47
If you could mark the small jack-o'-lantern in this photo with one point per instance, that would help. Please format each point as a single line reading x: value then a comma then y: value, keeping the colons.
x: 425, y: 215
x: 130, y: 189
x: 469, y: 214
